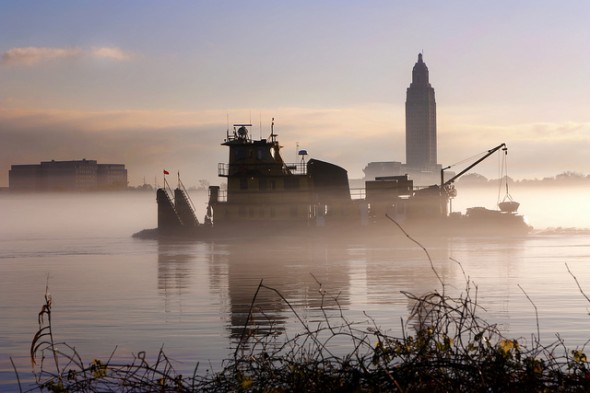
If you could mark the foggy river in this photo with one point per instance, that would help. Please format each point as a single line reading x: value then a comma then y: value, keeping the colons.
x: 192, y: 298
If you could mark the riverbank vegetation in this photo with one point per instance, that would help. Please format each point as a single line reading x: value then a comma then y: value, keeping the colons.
x: 444, y: 345
x: 564, y: 179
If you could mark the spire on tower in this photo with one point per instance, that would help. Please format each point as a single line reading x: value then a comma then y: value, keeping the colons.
x: 420, y: 120
x: 420, y: 73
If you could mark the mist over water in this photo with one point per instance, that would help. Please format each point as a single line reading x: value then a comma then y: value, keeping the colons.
x: 193, y: 297
x: 544, y: 207
x: 77, y: 215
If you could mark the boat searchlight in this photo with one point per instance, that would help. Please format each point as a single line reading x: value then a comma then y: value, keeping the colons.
x: 302, y: 154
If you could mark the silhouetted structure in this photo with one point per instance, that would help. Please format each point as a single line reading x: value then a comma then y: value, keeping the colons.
x: 421, y: 146
x: 266, y: 196
x: 81, y: 175
x: 420, y: 120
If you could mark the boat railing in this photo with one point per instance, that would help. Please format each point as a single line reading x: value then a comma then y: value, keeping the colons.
x: 168, y: 190
x: 358, y: 193
x: 186, y: 195
x: 222, y: 196
x: 299, y: 168
x: 222, y: 169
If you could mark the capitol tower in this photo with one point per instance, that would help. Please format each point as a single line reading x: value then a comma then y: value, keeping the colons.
x: 421, y: 159
x: 420, y: 121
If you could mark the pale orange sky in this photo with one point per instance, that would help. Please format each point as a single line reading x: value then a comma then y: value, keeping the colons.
x: 152, y: 84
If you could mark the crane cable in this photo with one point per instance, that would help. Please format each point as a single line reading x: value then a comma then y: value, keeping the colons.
x: 504, y: 178
x: 468, y: 159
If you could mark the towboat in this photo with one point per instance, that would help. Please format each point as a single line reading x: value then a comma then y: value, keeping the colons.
x: 266, y: 196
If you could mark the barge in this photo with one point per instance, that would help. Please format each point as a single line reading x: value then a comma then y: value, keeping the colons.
x: 266, y: 196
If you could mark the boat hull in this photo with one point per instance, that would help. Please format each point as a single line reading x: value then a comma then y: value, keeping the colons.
x: 489, y: 223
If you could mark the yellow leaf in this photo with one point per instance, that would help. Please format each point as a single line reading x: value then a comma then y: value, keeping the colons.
x: 246, y: 383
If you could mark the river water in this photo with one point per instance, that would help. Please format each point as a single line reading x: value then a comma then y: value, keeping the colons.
x: 110, y: 290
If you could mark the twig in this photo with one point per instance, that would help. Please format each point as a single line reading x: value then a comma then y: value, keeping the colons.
x: 247, y: 319
x: 423, y: 248
x: 17, y: 376
x: 536, y: 313
x: 303, y: 324
x: 577, y: 283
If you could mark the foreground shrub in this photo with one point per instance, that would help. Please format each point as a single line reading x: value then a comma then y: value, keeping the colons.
x: 450, y: 348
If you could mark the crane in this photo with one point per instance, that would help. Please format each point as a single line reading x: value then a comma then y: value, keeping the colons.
x: 446, y: 184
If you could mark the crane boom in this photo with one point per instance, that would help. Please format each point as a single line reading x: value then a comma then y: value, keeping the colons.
x: 452, y: 179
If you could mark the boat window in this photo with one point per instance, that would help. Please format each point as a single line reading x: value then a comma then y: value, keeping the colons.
x: 240, y: 153
x: 244, y: 183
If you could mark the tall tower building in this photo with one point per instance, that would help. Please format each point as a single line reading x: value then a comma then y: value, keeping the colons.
x: 420, y: 121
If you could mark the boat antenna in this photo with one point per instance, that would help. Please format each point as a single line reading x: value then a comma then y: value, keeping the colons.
x: 260, y: 125
x: 272, y: 130
x: 227, y: 132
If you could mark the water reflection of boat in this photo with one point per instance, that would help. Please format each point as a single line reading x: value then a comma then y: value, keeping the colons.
x: 265, y: 194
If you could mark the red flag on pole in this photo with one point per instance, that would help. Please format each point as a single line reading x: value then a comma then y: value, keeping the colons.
x: 166, y: 172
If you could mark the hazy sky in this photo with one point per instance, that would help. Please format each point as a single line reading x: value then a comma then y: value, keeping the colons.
x: 152, y: 84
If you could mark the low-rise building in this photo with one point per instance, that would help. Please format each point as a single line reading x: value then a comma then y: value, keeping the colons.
x: 78, y: 175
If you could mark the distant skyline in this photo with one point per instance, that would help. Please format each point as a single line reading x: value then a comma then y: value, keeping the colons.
x: 153, y: 84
